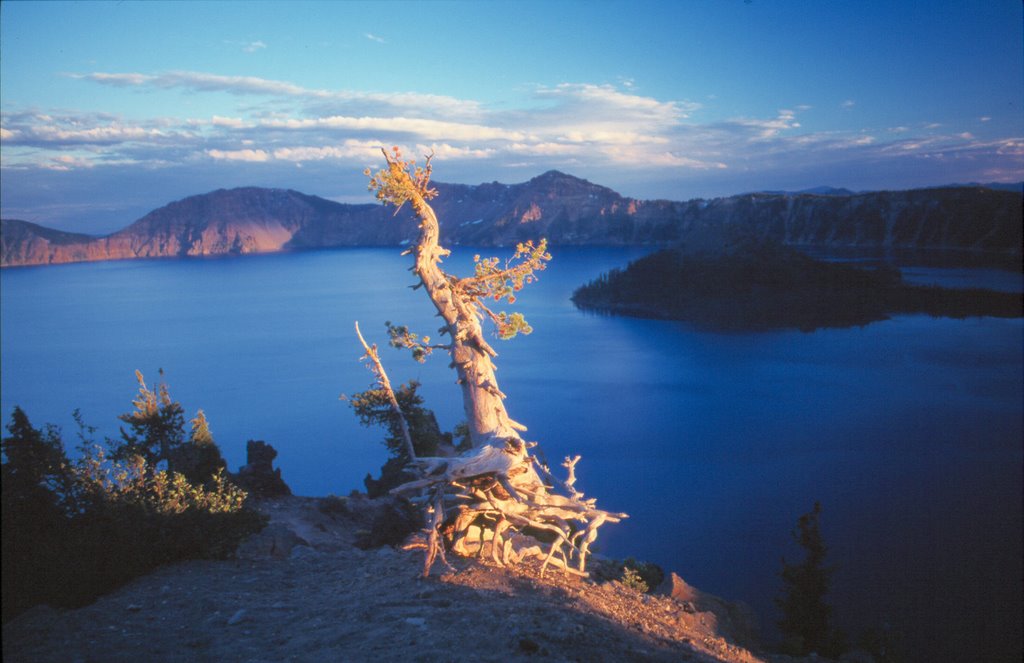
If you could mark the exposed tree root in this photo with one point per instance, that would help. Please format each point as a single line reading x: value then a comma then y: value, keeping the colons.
x: 495, y: 498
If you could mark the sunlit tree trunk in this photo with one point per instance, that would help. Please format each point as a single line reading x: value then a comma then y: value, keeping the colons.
x: 499, y: 496
x: 471, y: 354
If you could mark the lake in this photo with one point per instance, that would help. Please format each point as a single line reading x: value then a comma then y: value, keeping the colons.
x: 907, y: 431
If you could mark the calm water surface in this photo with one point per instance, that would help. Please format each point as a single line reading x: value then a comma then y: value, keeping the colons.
x: 907, y: 431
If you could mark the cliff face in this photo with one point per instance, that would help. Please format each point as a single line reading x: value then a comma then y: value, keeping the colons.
x: 947, y: 218
x: 565, y: 209
x: 24, y: 243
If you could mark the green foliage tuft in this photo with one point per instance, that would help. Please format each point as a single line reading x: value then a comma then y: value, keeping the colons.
x: 156, y: 427
x: 650, y: 573
x: 494, y: 281
x: 373, y: 407
x: 399, y: 336
x: 632, y: 579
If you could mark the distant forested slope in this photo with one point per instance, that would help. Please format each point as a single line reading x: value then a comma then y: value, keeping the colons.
x: 760, y: 285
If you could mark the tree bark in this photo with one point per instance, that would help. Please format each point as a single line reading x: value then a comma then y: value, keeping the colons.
x: 471, y: 355
x: 496, y: 495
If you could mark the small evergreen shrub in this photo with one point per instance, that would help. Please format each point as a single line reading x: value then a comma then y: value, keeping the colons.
x: 373, y: 407
x: 806, y: 623
x: 632, y: 579
x: 649, y: 573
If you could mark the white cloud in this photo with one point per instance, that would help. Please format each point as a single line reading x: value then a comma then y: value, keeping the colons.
x: 849, y: 103
x: 606, y: 137
x: 349, y: 149
x: 202, y: 82
x: 254, y: 85
x: 429, y: 129
x: 444, y: 152
x: 254, y: 46
x: 238, y: 155
x: 766, y: 129
x: 373, y: 37
x: 310, y: 153
x: 590, y: 98
x: 109, y: 134
x: 609, y: 128
x: 232, y: 122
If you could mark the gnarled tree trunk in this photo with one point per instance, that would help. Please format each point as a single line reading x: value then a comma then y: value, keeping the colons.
x: 471, y: 354
x: 499, y: 497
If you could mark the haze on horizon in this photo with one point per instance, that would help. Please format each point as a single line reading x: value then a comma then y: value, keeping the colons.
x: 109, y: 110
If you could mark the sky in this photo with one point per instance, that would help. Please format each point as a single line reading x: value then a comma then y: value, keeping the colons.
x: 111, y: 109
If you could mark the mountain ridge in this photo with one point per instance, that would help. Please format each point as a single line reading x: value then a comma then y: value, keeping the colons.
x: 567, y: 210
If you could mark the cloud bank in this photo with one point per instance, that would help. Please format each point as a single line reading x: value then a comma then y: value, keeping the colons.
x: 641, y: 145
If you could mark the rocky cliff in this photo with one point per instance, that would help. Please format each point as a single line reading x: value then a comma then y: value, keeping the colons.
x: 565, y: 209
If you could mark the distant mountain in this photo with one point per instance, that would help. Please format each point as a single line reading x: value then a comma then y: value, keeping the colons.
x: 565, y: 209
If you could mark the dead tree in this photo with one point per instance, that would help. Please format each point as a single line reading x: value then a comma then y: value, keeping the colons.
x: 497, y: 496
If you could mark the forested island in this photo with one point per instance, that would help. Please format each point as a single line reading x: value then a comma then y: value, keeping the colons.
x: 760, y: 285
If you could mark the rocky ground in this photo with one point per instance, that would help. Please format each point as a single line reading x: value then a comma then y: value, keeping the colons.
x: 300, y: 591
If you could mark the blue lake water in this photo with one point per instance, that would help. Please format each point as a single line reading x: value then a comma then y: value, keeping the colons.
x: 907, y: 431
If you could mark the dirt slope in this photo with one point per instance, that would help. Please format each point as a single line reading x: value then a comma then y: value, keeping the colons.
x: 301, y: 592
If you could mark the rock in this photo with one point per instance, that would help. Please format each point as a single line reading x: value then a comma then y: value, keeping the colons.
x: 679, y: 589
x: 735, y: 620
x: 258, y: 475
x: 275, y: 541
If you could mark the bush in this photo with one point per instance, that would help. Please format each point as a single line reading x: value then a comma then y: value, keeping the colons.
x: 132, y: 520
x: 373, y: 407
x: 642, y: 576
x: 74, y: 531
x: 648, y: 573
x: 632, y: 579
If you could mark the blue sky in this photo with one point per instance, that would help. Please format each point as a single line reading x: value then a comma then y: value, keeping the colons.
x: 112, y: 109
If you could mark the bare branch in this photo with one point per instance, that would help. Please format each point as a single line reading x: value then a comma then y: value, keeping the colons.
x: 382, y: 379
